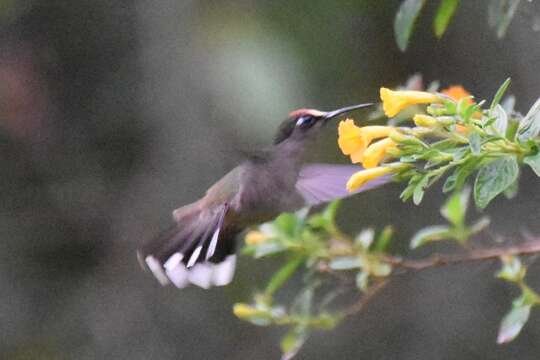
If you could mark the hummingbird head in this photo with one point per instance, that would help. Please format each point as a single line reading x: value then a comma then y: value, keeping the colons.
x: 303, y: 124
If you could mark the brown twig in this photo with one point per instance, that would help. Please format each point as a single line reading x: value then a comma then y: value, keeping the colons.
x: 366, y: 297
x: 526, y: 248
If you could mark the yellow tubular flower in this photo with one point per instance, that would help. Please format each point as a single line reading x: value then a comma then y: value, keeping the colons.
x: 364, y: 176
x: 425, y: 121
x: 376, y: 152
x: 244, y: 311
x: 353, y: 140
x: 395, y: 101
x: 350, y: 141
x: 255, y: 237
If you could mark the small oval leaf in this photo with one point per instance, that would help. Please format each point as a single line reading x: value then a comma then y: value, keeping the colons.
x: 529, y: 127
x: 429, y: 234
x: 494, y: 178
x: 445, y: 12
x: 534, y: 162
x: 512, y: 323
x: 404, y: 21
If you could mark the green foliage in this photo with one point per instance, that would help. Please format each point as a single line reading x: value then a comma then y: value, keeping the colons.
x: 444, y: 14
x: 316, y: 245
x: 529, y: 127
x: 454, y: 210
x: 466, y: 138
x: 494, y: 178
x: 514, y: 271
x: 328, y: 258
x: 500, y: 15
x: 404, y: 21
x: 499, y: 94
x: 534, y: 162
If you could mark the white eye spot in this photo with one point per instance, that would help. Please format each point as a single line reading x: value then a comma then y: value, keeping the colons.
x: 304, y: 121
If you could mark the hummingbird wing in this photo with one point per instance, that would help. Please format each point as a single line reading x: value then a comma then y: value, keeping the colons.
x: 320, y: 183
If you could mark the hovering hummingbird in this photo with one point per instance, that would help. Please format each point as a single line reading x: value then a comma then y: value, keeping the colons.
x: 200, y: 247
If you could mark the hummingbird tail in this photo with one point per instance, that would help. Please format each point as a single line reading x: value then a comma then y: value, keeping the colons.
x: 196, y: 250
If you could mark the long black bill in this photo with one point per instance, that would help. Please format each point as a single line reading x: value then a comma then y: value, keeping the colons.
x: 332, y: 114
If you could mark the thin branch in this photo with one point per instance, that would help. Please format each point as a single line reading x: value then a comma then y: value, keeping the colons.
x: 526, y: 248
x: 366, y: 297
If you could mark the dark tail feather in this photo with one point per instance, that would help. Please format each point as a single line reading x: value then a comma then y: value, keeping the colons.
x: 196, y: 250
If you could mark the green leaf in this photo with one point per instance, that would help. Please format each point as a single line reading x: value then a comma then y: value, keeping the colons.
x: 512, y: 323
x: 455, y: 208
x: 512, y: 190
x: 409, y: 190
x: 365, y: 238
x: 304, y: 301
x: 268, y: 248
x: 500, y: 124
x: 293, y: 341
x: 512, y: 269
x: 479, y: 225
x: 494, y: 178
x: 450, y: 183
x: 286, y: 224
x: 500, y: 14
x: 475, y: 143
x: 330, y: 211
x: 529, y: 127
x: 445, y: 12
x: 345, y: 263
x: 508, y: 103
x: 419, y: 190
x: 458, y: 178
x: 429, y: 234
x: 383, y: 240
x: 499, y: 94
x: 528, y: 297
x: 362, y: 280
x: 534, y: 162
x: 279, y: 278
x: 404, y: 21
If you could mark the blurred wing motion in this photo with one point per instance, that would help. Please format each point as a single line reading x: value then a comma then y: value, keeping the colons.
x: 195, y: 250
x: 320, y: 183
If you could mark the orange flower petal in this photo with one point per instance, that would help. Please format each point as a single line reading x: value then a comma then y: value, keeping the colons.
x: 457, y: 92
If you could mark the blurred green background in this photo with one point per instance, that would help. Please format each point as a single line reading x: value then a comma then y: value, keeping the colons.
x: 113, y: 113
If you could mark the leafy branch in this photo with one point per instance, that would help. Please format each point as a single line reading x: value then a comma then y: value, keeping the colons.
x: 499, y: 14
x: 334, y: 263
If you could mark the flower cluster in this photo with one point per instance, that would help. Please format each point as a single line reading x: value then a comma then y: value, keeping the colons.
x: 451, y: 132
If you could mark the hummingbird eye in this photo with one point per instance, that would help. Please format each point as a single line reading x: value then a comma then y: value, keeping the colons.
x: 305, y: 121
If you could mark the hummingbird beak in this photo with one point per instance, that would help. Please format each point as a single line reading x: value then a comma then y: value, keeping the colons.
x: 331, y: 114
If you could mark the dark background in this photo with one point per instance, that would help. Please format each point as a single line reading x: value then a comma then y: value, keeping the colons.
x: 113, y: 113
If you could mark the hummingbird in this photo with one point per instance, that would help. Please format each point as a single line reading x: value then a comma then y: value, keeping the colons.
x: 199, y: 248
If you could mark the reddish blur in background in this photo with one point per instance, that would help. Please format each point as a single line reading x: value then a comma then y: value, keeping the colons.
x: 113, y: 113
